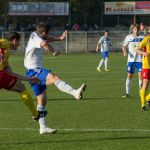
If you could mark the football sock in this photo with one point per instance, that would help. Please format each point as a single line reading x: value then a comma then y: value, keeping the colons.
x: 143, y: 95
x: 140, y: 83
x: 27, y: 99
x: 101, y: 63
x: 148, y: 97
x: 64, y: 87
x: 106, y: 63
x: 128, y: 85
x: 42, y: 120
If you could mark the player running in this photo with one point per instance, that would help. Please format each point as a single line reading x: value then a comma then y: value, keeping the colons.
x: 104, y: 46
x: 144, y: 49
x: 134, y: 60
x: 10, y: 80
x: 38, y: 43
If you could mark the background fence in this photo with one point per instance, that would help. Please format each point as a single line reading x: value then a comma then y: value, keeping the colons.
x: 77, y: 41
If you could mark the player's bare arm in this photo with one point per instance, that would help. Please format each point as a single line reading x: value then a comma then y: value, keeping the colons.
x: 48, y: 48
x: 124, y: 49
x: 60, y: 38
x: 20, y: 77
x: 98, y: 46
x: 140, y: 50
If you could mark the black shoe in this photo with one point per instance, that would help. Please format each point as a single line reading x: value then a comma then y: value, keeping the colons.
x: 125, y: 96
x: 143, y: 108
x: 35, y: 119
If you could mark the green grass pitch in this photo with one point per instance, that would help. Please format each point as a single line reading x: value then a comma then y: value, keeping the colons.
x: 103, y: 120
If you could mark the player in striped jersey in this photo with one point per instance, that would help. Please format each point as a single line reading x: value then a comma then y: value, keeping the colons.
x: 134, y: 60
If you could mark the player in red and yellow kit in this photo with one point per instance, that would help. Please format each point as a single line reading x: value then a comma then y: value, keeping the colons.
x: 144, y: 49
x: 10, y: 80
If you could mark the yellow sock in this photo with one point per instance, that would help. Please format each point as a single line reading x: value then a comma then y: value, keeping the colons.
x: 148, y: 97
x: 143, y: 97
x: 27, y: 99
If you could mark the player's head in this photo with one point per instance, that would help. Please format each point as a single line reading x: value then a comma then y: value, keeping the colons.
x: 106, y: 32
x: 14, y: 38
x: 42, y: 29
x: 135, y: 28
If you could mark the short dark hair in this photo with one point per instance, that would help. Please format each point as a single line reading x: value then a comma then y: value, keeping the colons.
x: 13, y: 35
x: 106, y: 31
x: 42, y: 27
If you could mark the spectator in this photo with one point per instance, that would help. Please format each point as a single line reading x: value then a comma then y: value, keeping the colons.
x: 76, y: 27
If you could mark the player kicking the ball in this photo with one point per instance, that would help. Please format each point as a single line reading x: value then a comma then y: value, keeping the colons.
x: 38, y: 43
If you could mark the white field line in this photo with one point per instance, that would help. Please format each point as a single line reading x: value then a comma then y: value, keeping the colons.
x: 81, y: 130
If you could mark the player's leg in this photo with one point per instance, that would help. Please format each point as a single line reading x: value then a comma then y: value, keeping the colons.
x: 144, y: 97
x: 101, y: 62
x: 11, y: 83
x: 130, y: 72
x: 65, y: 87
x: 138, y: 66
x: 143, y: 94
x: 41, y: 107
x: 106, y: 61
x: 26, y: 98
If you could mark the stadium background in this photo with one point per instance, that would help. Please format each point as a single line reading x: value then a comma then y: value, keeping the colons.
x: 103, y: 120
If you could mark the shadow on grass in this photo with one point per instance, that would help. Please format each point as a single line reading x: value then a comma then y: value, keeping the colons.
x: 123, y: 138
x: 84, y: 99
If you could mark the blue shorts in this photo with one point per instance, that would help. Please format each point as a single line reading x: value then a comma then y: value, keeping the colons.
x: 104, y: 54
x: 131, y: 66
x: 40, y: 73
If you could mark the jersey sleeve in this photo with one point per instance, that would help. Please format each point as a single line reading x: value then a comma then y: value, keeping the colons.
x: 36, y: 40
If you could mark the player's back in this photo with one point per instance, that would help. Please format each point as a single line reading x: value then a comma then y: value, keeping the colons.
x: 34, y: 52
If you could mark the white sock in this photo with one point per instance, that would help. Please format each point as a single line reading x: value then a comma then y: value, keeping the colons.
x: 64, y: 87
x: 128, y: 85
x: 101, y: 63
x: 106, y: 63
x: 140, y: 83
x: 42, y: 120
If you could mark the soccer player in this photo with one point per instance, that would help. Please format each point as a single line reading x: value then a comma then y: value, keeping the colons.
x: 134, y: 60
x: 104, y: 46
x: 38, y: 43
x: 144, y: 49
x: 10, y: 80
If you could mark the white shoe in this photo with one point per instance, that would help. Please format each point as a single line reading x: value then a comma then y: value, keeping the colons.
x: 47, y: 131
x: 79, y: 91
x: 98, y: 69
x: 106, y: 69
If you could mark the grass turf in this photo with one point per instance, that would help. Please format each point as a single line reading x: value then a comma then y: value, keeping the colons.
x: 103, y: 120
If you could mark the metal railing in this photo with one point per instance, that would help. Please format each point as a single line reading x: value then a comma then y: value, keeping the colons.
x: 77, y: 41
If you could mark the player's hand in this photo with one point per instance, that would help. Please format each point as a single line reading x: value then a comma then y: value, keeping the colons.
x: 63, y: 36
x: 97, y: 50
x: 146, y: 54
x: 125, y: 53
x: 34, y: 80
